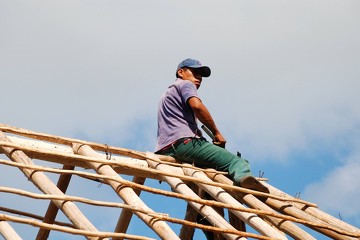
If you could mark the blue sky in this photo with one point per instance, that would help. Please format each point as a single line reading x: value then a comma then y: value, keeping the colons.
x: 283, y: 90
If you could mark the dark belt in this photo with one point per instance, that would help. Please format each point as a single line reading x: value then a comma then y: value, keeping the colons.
x: 175, y: 144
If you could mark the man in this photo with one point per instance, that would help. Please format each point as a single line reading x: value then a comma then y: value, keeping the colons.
x: 179, y: 136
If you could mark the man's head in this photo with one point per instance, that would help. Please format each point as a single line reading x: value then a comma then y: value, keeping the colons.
x: 195, y: 64
x: 191, y: 69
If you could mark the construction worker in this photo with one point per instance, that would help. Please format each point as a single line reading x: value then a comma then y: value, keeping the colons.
x: 179, y: 136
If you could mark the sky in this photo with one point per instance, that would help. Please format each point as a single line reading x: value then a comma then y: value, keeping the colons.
x: 284, y: 88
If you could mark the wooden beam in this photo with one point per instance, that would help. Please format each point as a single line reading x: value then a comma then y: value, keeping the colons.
x: 88, y: 234
x: 221, y: 195
x: 8, y: 232
x: 126, y: 215
x: 316, y: 212
x: 60, y: 154
x: 179, y: 186
x: 31, y: 215
x: 186, y: 232
x: 71, y: 141
x: 287, y: 226
x: 52, y: 210
x: 41, y: 181
x: 126, y: 193
x: 126, y: 163
x: 236, y: 222
x: 298, y: 213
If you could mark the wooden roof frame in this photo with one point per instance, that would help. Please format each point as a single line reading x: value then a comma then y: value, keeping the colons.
x: 279, y: 217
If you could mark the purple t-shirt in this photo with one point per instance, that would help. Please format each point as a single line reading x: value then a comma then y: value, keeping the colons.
x: 175, y: 118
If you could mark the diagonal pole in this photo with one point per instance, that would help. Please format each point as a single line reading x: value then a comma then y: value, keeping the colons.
x: 41, y: 181
x: 187, y: 233
x: 126, y: 193
x: 179, y: 186
x: 8, y: 232
x: 126, y: 215
x: 50, y: 216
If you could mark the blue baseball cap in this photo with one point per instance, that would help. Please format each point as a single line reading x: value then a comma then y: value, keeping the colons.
x: 192, y: 63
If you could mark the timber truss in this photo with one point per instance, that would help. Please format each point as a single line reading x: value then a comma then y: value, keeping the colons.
x: 39, y: 155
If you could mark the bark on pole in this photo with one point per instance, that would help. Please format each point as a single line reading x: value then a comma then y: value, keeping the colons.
x: 42, y: 182
x: 127, y: 194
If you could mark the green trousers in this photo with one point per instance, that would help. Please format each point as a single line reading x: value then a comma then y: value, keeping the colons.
x: 204, y: 154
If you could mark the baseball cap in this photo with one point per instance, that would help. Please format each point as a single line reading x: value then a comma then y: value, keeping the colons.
x: 192, y: 63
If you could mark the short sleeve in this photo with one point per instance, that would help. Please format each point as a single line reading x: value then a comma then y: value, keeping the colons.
x: 188, y: 90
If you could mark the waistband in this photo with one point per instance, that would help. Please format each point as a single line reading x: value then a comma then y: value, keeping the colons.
x: 174, y: 144
x: 177, y: 143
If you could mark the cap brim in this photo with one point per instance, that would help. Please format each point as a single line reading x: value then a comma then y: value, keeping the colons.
x: 205, y: 70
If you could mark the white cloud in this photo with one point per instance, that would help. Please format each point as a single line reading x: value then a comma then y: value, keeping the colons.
x: 281, y: 67
x: 339, y: 191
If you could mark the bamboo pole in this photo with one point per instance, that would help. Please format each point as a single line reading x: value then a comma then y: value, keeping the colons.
x: 160, y: 173
x: 102, y: 178
x: 123, y: 182
x: 251, y: 219
x: 316, y: 212
x: 41, y: 181
x: 87, y: 234
x: 187, y: 233
x: 70, y: 141
x: 297, y: 213
x: 330, y: 230
x: 8, y: 232
x: 126, y: 165
x: 171, y: 194
x: 220, y: 210
x: 52, y: 210
x: 127, y: 194
x: 68, y: 198
x: 179, y: 186
x: 201, y: 201
x: 158, y: 191
x: 284, y: 225
x: 216, y: 229
x: 157, y: 216
x: 31, y: 215
x: 236, y: 222
x: 122, y: 165
x: 126, y: 215
x: 307, y: 208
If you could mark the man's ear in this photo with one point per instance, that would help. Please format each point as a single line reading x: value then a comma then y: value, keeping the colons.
x: 180, y: 73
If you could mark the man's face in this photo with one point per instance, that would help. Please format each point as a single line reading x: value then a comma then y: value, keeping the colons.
x: 191, y: 74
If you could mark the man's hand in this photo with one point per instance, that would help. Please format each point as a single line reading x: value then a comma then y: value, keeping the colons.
x: 219, y: 140
x: 203, y: 114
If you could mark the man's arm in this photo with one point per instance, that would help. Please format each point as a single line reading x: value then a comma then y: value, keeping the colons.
x: 204, y: 116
